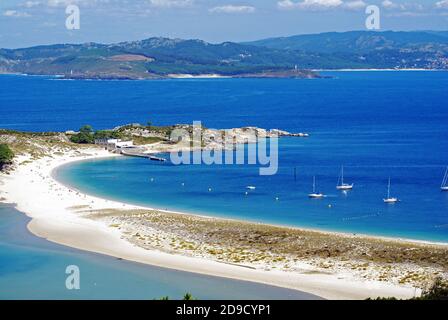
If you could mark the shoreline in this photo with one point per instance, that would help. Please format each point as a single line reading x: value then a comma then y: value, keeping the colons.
x: 53, y: 174
x: 54, y: 219
x: 58, y: 77
x: 379, y: 70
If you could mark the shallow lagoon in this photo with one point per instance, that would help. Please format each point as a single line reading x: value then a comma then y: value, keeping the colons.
x: 33, y: 268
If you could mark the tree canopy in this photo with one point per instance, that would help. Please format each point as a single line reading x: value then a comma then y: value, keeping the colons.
x: 85, y: 135
x: 6, y: 155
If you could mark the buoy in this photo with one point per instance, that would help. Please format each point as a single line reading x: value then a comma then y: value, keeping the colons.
x: 246, y: 193
x: 329, y: 206
x: 152, y: 179
x: 276, y: 198
x: 209, y: 189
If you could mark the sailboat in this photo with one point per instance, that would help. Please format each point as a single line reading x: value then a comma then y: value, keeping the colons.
x: 314, y: 194
x: 390, y: 199
x: 444, y: 186
x: 341, y: 185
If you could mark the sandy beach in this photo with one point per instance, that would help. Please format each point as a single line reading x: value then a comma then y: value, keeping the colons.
x: 54, y: 209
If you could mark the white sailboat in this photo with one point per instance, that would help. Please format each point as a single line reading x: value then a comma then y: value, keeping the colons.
x: 341, y: 185
x: 390, y: 199
x: 314, y: 194
x: 444, y: 186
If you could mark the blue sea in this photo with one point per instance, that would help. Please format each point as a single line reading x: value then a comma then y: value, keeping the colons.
x: 377, y: 124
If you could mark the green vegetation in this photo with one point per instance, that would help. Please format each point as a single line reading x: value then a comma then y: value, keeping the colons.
x: 187, y: 296
x: 35, y: 144
x: 438, y: 291
x: 164, y: 131
x: 106, y: 134
x: 159, y: 57
x: 6, y: 155
x: 26, y: 134
x: 138, y: 140
x: 367, y: 49
x: 85, y: 135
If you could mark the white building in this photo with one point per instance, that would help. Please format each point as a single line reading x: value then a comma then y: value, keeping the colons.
x: 113, y: 144
x: 124, y: 144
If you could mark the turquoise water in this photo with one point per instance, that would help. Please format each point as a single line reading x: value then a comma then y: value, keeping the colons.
x: 422, y: 214
x: 33, y: 268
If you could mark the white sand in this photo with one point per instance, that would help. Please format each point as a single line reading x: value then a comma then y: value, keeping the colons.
x: 198, y: 76
x: 34, y: 191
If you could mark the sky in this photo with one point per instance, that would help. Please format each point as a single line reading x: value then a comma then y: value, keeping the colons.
x: 25, y: 23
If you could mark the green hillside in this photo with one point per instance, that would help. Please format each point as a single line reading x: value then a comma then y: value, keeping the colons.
x: 277, y: 57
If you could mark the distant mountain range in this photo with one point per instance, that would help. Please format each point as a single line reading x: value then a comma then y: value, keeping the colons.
x: 275, y: 57
x: 368, y: 49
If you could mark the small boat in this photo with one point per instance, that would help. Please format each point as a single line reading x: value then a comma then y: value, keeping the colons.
x: 444, y: 186
x: 341, y: 185
x: 251, y: 187
x: 314, y: 194
x: 390, y: 199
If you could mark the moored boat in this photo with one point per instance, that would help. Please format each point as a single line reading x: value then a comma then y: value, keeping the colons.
x: 341, y: 184
x: 390, y: 199
x: 314, y: 194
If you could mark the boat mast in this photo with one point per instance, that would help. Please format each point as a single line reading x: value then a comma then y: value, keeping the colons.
x: 342, y: 176
x: 314, y: 184
x: 445, y: 178
x: 388, y: 189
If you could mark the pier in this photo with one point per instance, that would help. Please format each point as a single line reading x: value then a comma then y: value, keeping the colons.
x: 137, y: 152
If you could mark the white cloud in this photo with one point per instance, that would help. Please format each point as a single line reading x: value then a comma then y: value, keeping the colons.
x: 171, y: 3
x: 309, y: 4
x: 411, y: 7
x: 321, y: 4
x: 87, y: 3
x: 30, y: 4
x: 389, y: 4
x: 60, y: 3
x: 443, y: 4
x: 352, y: 5
x: 16, y: 14
x: 355, y: 5
x: 233, y: 9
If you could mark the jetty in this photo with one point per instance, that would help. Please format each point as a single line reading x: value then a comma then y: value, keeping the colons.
x: 137, y: 152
